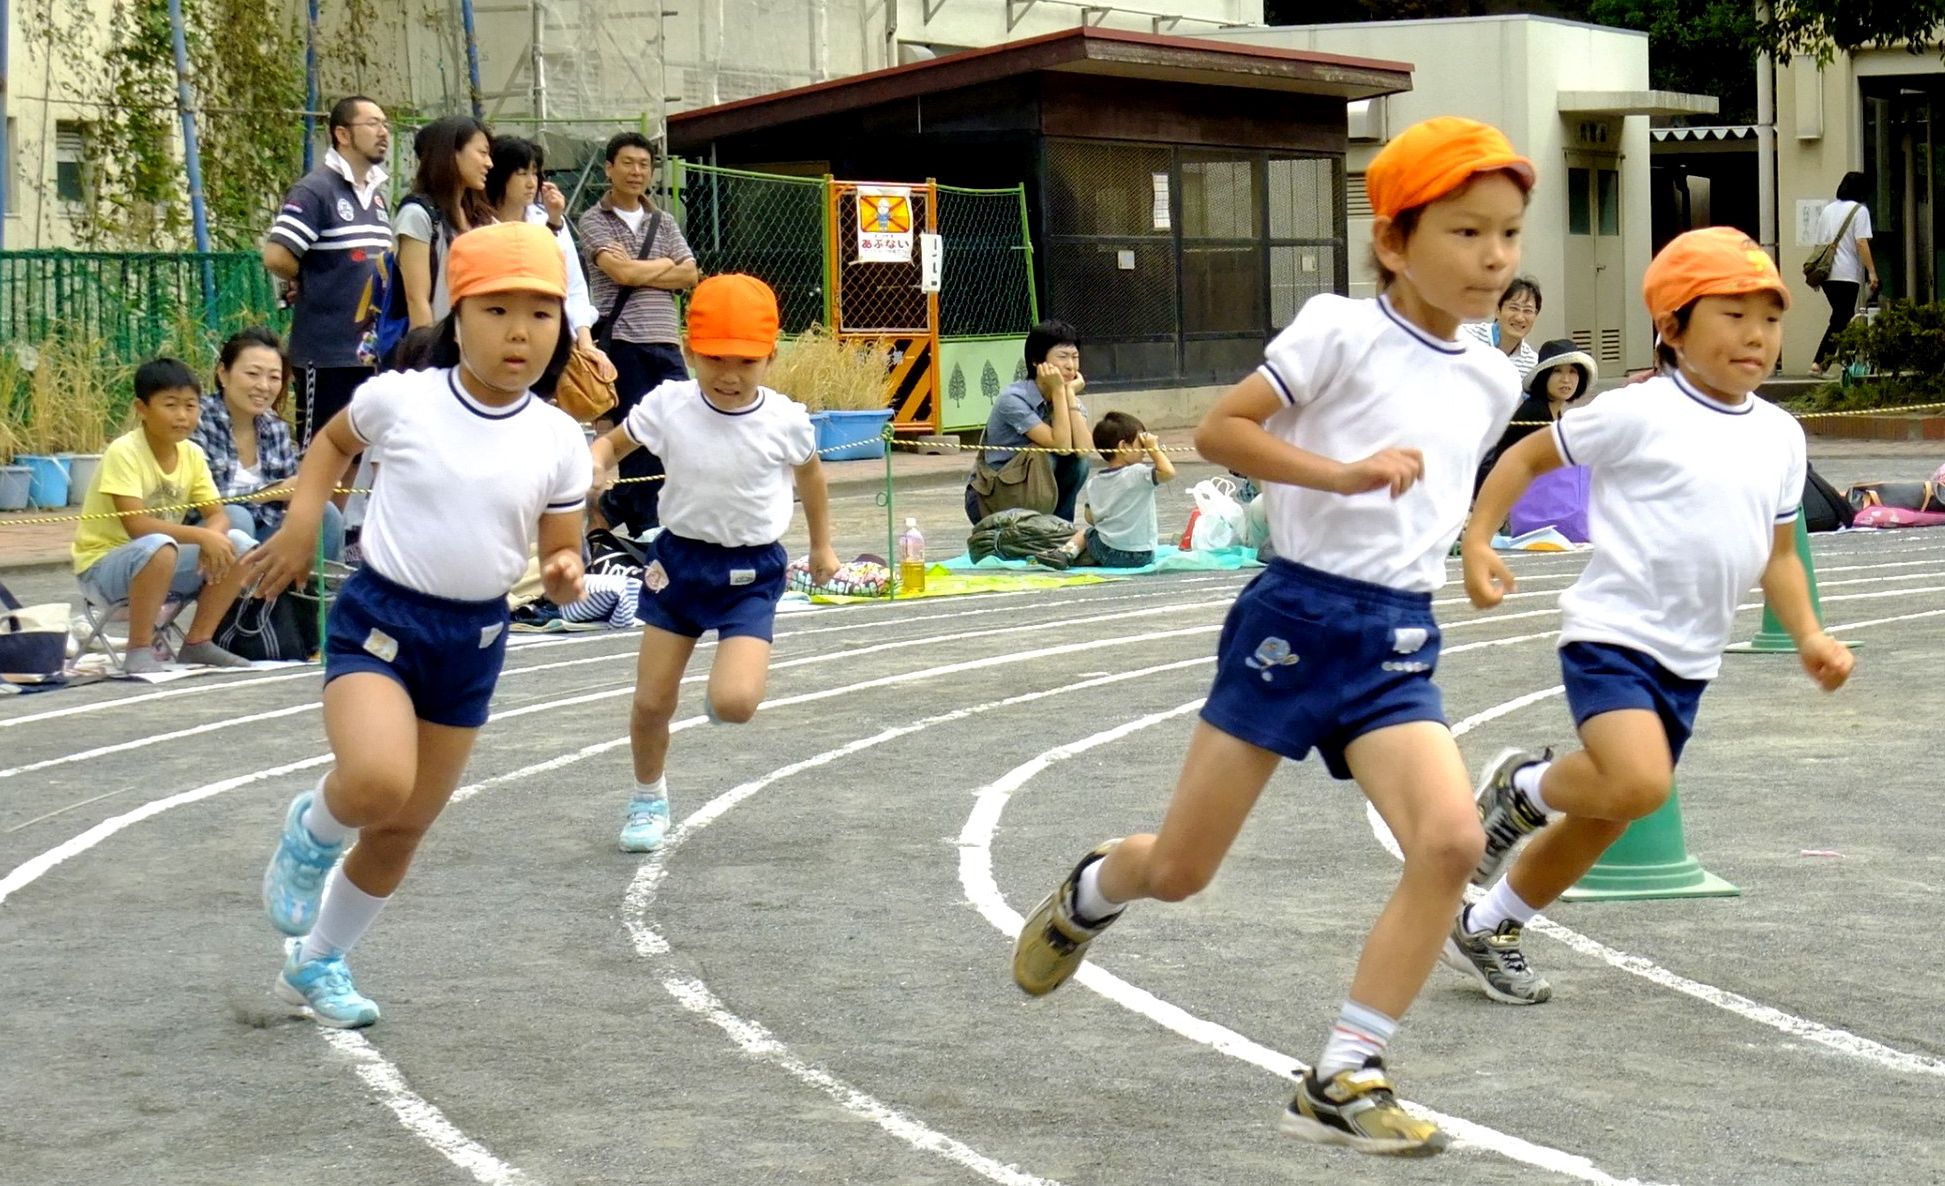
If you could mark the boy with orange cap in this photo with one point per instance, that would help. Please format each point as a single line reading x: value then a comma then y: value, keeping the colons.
x: 1696, y: 486
x: 1365, y: 426
x: 732, y: 448
x: 478, y: 472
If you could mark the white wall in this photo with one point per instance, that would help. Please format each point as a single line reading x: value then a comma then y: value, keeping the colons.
x: 42, y: 91
x: 1509, y: 72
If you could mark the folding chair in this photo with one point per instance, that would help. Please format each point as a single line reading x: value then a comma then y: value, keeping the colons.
x: 98, y: 616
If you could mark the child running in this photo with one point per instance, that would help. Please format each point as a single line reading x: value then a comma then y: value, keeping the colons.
x: 731, y: 447
x: 476, y: 470
x: 1696, y: 484
x: 1366, y: 423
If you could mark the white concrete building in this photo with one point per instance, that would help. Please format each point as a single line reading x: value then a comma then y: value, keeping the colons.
x: 1573, y: 97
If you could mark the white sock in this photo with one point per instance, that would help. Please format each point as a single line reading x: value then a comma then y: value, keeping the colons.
x: 659, y: 789
x: 343, y: 919
x: 1090, y: 903
x: 1527, y: 779
x: 1361, y: 1032
x: 320, y: 823
x: 1499, y: 904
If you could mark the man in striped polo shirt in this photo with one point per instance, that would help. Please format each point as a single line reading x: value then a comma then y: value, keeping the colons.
x: 329, y: 244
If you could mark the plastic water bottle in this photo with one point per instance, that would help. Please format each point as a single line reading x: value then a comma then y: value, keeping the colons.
x: 911, y: 558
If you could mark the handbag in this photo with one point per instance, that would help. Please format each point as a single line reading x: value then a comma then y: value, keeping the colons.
x: 1816, y: 269
x: 586, y: 387
x: 1026, y: 480
x: 280, y: 629
x: 33, y: 638
x: 604, y: 325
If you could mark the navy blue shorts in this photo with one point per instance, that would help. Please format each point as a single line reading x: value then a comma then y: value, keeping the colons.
x: 690, y: 587
x: 1602, y: 678
x: 1311, y: 660
x: 446, y: 654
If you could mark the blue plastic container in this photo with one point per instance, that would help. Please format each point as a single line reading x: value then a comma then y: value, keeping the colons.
x: 851, y: 436
x: 47, y: 484
x: 15, y: 481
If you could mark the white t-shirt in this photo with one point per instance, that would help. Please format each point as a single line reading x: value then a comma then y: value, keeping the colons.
x: 1359, y: 378
x: 461, y: 486
x: 1848, y: 267
x: 1687, y: 493
x: 729, y: 473
x: 632, y: 219
x: 244, y: 479
x: 1122, y: 500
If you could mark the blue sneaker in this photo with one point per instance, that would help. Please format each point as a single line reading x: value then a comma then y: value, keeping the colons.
x: 323, y: 986
x: 646, y: 826
x: 294, y: 882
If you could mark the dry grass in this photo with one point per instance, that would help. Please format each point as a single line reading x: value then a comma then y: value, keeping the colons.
x: 827, y: 374
x: 71, y: 402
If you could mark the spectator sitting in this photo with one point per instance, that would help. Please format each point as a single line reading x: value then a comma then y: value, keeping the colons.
x: 133, y: 546
x: 1562, y: 374
x: 248, y: 445
x: 1121, y: 529
x: 1519, y: 308
x: 1043, y: 410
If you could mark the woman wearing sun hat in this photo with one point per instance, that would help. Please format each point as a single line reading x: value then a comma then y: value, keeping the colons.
x: 1562, y: 373
x: 477, y: 471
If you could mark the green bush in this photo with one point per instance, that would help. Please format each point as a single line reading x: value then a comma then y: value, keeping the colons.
x: 1902, y: 350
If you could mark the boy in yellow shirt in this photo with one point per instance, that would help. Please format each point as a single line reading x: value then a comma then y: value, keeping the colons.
x: 148, y: 552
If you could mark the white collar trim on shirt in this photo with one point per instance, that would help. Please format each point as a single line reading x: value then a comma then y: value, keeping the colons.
x: 484, y: 411
x: 1435, y: 342
x: 1714, y: 405
x: 375, y: 177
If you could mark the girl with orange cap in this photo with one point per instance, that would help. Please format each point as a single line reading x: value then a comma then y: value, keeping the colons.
x: 1365, y: 426
x: 477, y: 471
x: 734, y: 451
x: 1696, y: 483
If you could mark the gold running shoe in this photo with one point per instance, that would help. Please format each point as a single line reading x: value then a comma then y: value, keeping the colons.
x: 1360, y: 1109
x: 1052, y: 942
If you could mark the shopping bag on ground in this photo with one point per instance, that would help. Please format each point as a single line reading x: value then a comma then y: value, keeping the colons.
x: 33, y: 638
x: 1220, y: 521
x: 1556, y: 499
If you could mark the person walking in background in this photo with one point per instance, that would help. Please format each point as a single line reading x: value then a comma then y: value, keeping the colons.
x: 637, y: 261
x: 328, y: 245
x: 1847, y: 223
x: 1519, y: 308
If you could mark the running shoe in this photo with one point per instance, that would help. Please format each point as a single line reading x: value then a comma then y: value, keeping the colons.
x: 1054, y: 939
x: 294, y: 882
x: 323, y: 986
x: 1360, y: 1109
x: 1494, y: 959
x: 646, y: 825
x: 1503, y: 812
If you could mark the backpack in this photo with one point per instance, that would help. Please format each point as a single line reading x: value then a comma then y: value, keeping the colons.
x: 394, y: 320
x: 1816, y: 269
x: 1823, y: 508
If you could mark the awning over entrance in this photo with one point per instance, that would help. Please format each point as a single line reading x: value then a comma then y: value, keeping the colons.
x: 1637, y: 103
x: 1715, y: 132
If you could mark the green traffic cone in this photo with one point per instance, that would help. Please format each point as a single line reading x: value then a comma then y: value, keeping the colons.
x: 1771, y: 638
x: 1650, y: 860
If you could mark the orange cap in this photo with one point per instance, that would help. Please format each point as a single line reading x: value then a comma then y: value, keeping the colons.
x: 1432, y: 158
x: 733, y: 316
x: 1714, y: 261
x: 505, y: 257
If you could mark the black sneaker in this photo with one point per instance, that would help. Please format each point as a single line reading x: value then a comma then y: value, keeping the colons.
x: 1503, y: 812
x: 1360, y: 1109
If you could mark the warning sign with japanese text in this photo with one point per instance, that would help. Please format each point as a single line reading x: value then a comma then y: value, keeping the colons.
x: 884, y: 224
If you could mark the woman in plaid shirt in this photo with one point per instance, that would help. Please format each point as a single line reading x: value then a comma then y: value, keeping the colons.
x: 247, y: 442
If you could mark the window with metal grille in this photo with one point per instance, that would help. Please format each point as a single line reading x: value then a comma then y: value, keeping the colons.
x: 70, y: 160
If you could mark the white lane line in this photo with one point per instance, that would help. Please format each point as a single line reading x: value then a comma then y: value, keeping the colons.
x: 751, y: 1036
x: 419, y: 1116
x: 784, y: 630
x: 1842, y: 1041
x: 982, y: 890
x: 120, y: 747
x: 1930, y: 613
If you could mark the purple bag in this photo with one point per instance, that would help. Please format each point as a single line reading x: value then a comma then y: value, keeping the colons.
x: 1556, y: 499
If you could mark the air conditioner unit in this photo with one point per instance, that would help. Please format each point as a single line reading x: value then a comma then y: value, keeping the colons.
x: 1366, y: 118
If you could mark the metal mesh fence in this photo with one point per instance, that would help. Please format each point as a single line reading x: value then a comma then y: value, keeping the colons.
x: 987, y: 279
x: 134, y: 304
x: 771, y: 227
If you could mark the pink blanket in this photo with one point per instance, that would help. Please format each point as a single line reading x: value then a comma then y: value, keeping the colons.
x: 1897, y: 517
